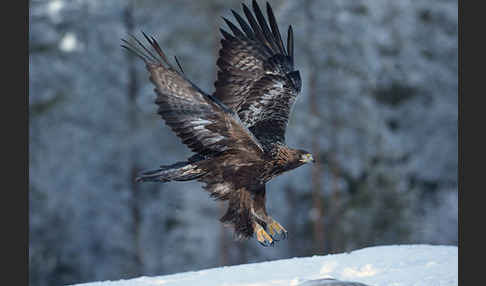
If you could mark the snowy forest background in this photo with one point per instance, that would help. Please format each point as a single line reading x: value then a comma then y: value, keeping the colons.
x: 379, y: 106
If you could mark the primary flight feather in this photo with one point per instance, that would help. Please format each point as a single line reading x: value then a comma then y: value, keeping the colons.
x: 238, y: 132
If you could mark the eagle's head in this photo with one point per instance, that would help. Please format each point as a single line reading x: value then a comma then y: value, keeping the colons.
x: 287, y: 159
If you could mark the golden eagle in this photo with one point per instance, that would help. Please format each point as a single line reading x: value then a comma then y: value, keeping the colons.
x: 238, y: 132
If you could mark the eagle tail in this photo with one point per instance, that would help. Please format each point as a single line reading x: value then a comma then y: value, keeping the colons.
x: 181, y: 171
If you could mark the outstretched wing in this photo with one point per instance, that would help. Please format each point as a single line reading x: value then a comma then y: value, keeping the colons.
x: 203, y: 123
x: 256, y: 76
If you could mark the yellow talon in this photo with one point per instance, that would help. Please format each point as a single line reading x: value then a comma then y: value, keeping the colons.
x: 262, y: 236
x: 274, y: 228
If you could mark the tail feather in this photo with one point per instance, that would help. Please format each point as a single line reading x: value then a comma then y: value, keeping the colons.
x: 181, y: 171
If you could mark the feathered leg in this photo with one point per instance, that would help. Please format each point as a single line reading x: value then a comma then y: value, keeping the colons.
x: 247, y: 214
x: 241, y: 216
x: 271, y: 227
x: 267, y: 229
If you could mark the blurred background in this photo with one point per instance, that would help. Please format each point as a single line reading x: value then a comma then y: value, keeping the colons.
x: 379, y: 106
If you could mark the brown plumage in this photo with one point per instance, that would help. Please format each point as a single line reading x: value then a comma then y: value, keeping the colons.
x: 238, y: 133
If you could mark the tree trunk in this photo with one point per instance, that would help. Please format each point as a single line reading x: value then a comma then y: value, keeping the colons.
x: 291, y: 221
x: 317, y: 172
x: 132, y: 92
x: 317, y: 212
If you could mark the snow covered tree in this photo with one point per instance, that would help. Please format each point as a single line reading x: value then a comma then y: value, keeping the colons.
x: 378, y: 106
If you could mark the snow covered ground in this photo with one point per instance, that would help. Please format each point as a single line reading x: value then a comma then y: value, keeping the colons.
x: 396, y: 265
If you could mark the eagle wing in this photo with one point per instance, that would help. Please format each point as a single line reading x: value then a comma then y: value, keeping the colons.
x: 256, y: 76
x: 203, y: 123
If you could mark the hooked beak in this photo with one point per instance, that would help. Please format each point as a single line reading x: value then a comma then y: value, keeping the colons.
x: 308, y: 158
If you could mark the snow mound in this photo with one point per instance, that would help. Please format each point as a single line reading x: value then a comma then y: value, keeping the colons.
x: 395, y: 265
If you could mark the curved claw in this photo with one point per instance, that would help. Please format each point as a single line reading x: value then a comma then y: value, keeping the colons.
x: 277, y: 231
x: 267, y: 244
x: 263, y: 237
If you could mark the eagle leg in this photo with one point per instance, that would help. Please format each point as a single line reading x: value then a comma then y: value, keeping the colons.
x: 265, y: 223
x: 262, y: 236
